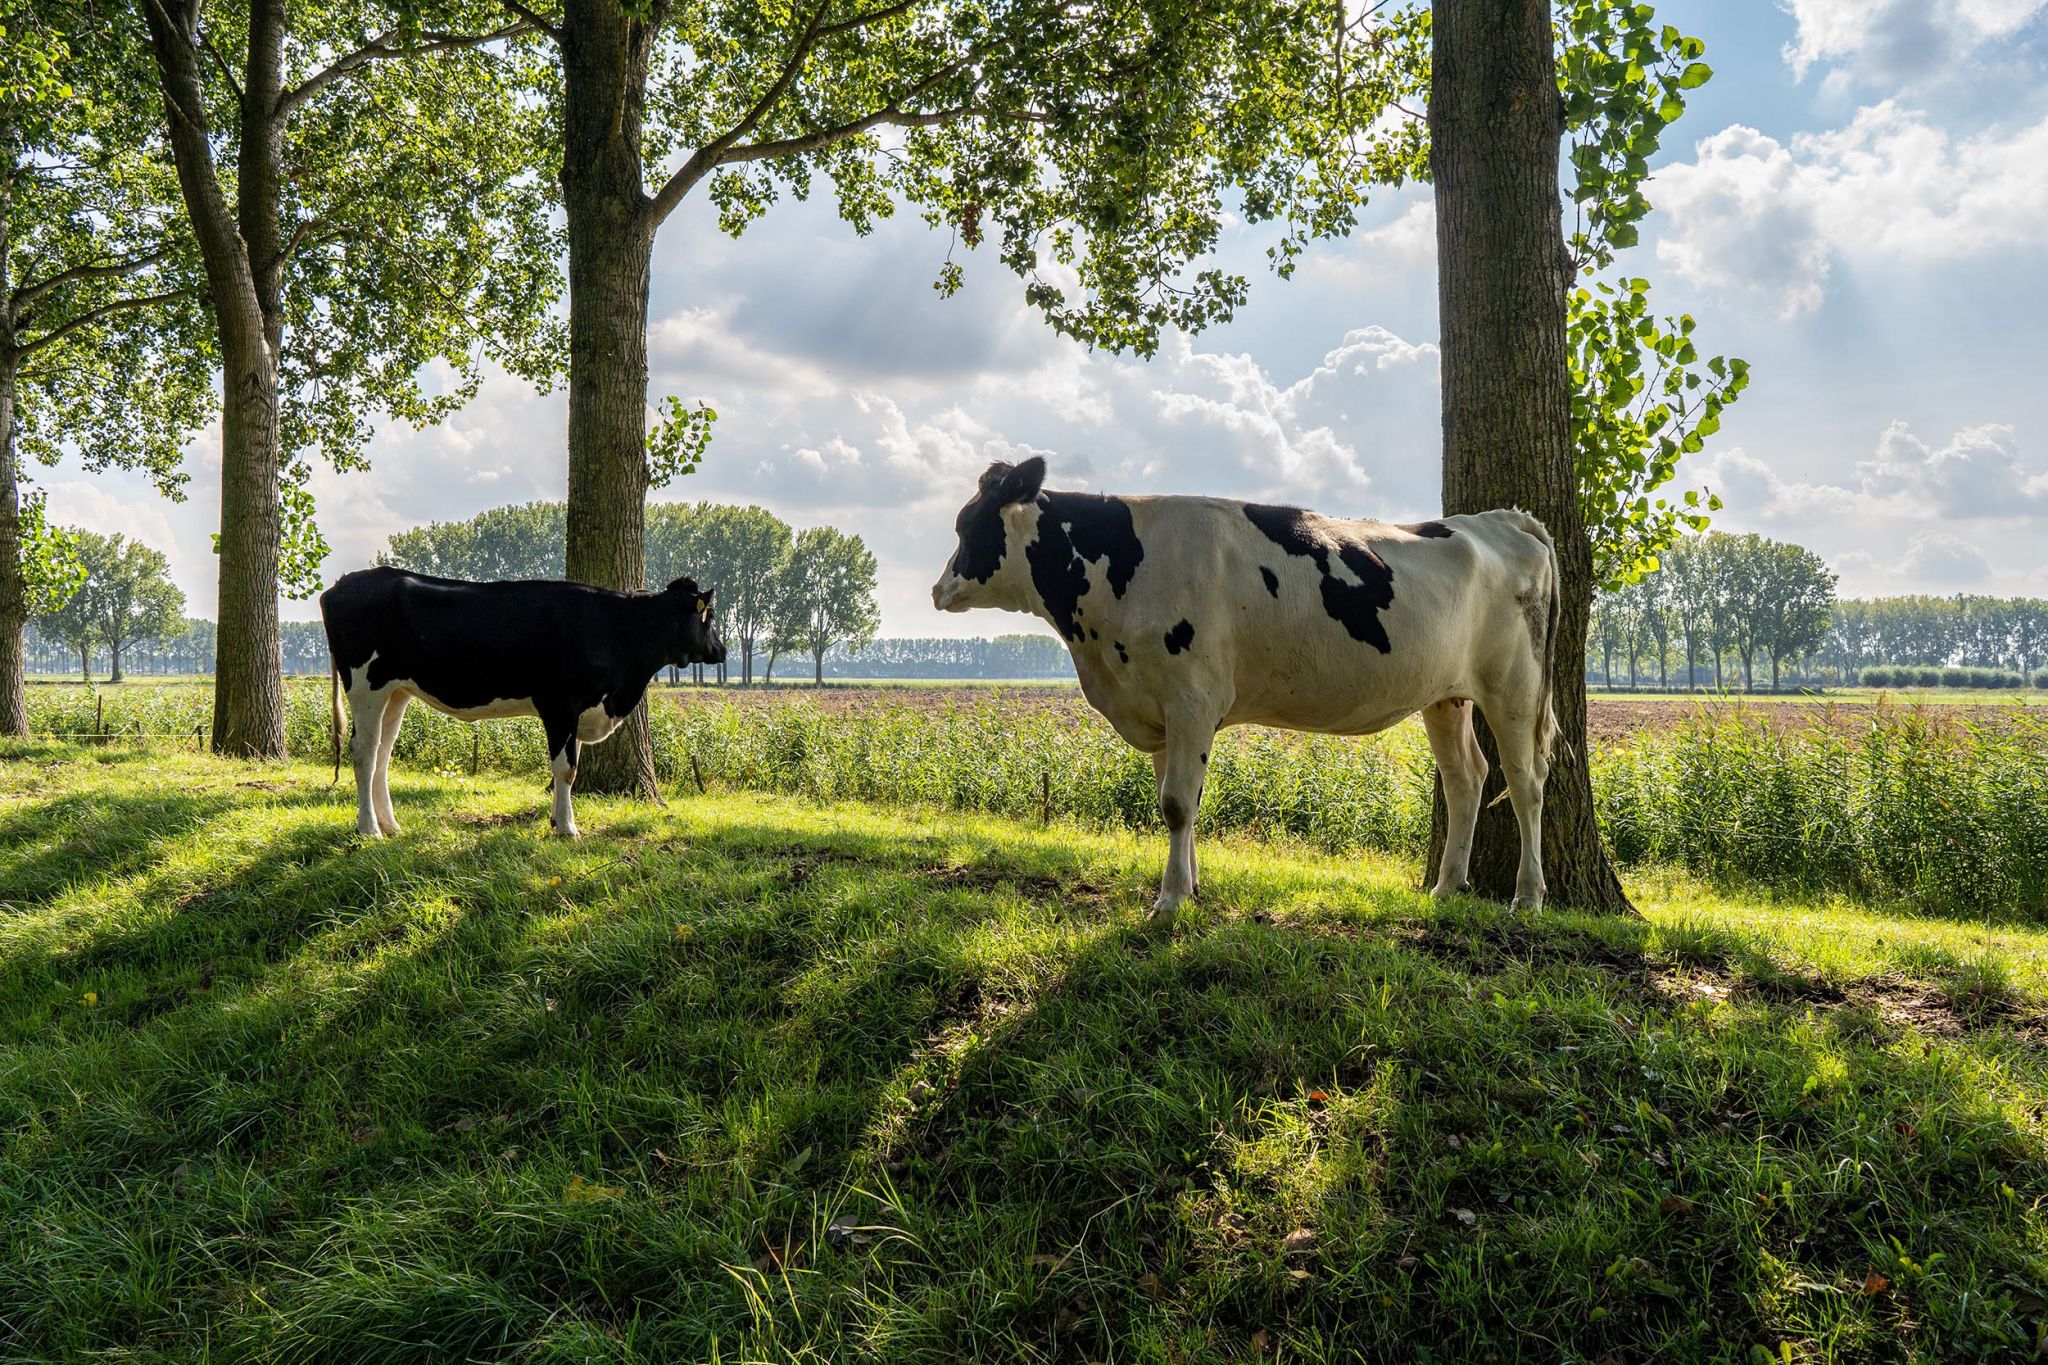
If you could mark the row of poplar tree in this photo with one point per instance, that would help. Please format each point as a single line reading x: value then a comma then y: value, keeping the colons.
x: 1719, y: 605
x: 778, y: 590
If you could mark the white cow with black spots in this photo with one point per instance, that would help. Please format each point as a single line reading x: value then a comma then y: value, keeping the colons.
x: 1185, y: 615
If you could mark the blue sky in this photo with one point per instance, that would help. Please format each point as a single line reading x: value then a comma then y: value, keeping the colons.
x: 1857, y: 204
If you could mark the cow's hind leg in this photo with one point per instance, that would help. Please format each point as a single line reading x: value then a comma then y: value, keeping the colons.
x: 366, y: 736
x: 1181, y: 766
x: 1526, y: 768
x: 387, y: 740
x: 1462, y: 767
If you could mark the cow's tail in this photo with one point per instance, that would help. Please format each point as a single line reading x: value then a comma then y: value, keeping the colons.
x: 1546, y: 648
x: 334, y: 718
x: 1546, y: 718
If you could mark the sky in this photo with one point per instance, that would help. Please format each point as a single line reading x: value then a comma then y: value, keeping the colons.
x: 1857, y: 204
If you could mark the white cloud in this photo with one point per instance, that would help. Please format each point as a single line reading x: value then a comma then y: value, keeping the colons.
x: 98, y: 508
x: 1757, y: 217
x: 1970, y: 513
x: 1940, y: 559
x: 1900, y: 41
x: 1978, y: 474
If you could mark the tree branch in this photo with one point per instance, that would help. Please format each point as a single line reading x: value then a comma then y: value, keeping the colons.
x: 227, y: 72
x: 538, y: 23
x: 871, y: 17
x: 29, y: 293
x: 93, y: 315
x: 890, y: 117
x: 704, y: 158
x: 380, y: 49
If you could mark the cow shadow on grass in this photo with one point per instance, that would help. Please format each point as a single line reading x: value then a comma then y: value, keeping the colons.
x: 634, y: 1086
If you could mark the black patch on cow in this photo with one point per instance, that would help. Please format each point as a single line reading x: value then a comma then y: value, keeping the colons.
x: 1092, y: 635
x: 980, y: 523
x: 1176, y: 813
x: 1272, y: 580
x: 1428, y: 530
x: 1357, y: 606
x: 1121, y: 655
x: 1074, y: 531
x: 1205, y: 757
x: 1179, y: 638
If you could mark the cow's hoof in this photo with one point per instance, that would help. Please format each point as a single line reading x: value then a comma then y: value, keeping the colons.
x: 368, y: 832
x: 1443, y: 892
x: 1530, y: 905
x: 391, y: 828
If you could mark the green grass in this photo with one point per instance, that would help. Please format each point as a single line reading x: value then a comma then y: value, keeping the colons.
x: 758, y: 1078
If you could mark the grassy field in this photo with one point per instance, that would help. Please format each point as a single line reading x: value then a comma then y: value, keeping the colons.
x: 755, y: 1077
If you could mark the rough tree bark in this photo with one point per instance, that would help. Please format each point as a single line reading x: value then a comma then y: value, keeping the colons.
x: 13, y: 582
x: 240, y: 249
x: 13, y: 586
x: 1495, y: 123
x: 611, y: 243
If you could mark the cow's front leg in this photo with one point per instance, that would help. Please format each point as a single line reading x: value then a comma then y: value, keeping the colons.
x: 565, y: 778
x: 366, y: 736
x: 1194, y: 857
x: 1180, y: 768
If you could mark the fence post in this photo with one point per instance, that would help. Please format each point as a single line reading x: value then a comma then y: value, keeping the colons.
x: 697, y: 773
x: 199, y: 738
x: 476, y: 748
x: 1045, y: 798
x: 99, y: 719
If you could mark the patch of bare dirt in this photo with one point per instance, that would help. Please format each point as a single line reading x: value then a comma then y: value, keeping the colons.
x: 1881, y: 1005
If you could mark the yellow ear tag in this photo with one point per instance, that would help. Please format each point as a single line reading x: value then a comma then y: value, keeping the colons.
x: 703, y: 609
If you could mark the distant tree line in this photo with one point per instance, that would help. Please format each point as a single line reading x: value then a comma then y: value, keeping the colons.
x: 1006, y: 656
x: 779, y: 590
x: 1721, y: 608
x: 2003, y: 633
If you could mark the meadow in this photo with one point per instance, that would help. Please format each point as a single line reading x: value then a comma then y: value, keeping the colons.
x: 1937, y: 807
x: 863, y: 1053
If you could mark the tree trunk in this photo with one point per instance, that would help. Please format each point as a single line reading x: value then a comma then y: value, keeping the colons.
x: 85, y: 663
x: 611, y: 242
x: 1495, y: 122
x: 244, y: 270
x: 114, y: 660
x: 818, y: 668
x: 13, y: 582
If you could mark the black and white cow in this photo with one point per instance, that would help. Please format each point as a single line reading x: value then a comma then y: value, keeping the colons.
x: 578, y: 657
x: 1185, y: 615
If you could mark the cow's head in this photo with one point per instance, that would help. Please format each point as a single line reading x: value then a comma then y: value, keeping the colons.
x: 987, y: 568
x: 695, y: 639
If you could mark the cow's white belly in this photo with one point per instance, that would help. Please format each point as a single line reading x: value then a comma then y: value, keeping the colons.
x: 490, y: 710
x: 593, y: 724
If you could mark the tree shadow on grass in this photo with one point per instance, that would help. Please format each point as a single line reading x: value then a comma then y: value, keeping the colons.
x: 754, y: 1087
x: 55, y: 843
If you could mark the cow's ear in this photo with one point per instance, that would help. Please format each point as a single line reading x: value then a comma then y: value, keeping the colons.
x: 1024, y: 480
x: 683, y: 587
